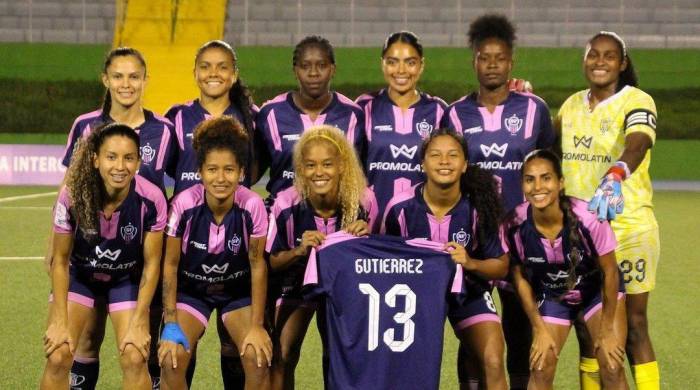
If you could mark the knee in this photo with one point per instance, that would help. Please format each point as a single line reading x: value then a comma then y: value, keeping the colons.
x: 131, y: 359
x: 493, y: 360
x: 637, y: 326
x: 60, y: 360
x: 250, y: 364
x: 610, y: 377
x: 543, y: 377
x: 289, y: 355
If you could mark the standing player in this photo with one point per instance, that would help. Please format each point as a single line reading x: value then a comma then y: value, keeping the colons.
x: 221, y: 92
x: 124, y: 77
x: 108, y: 235
x: 214, y: 259
x: 564, y: 268
x: 398, y: 119
x: 329, y: 195
x: 607, y: 132
x: 458, y: 206
x: 501, y: 127
x: 282, y: 119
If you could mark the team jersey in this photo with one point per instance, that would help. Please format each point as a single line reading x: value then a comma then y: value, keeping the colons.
x: 118, y: 250
x: 408, y: 216
x: 385, y: 307
x: 186, y: 117
x: 214, y: 256
x: 155, y: 136
x: 592, y: 141
x: 291, y: 216
x: 547, y: 264
x: 499, y: 141
x: 280, y: 124
x: 393, y: 140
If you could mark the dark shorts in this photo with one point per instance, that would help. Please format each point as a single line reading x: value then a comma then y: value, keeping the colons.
x: 120, y: 294
x: 288, y: 286
x: 564, y: 313
x: 202, y: 305
x: 473, y: 310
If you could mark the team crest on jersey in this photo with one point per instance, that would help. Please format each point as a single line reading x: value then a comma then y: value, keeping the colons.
x: 513, y: 124
x: 76, y: 380
x: 424, y: 128
x: 605, y: 125
x: 234, y: 244
x: 461, y: 237
x: 128, y: 232
x: 147, y: 153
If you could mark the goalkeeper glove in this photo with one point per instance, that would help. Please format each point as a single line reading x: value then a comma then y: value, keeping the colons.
x: 519, y: 85
x: 173, y: 333
x: 607, y: 200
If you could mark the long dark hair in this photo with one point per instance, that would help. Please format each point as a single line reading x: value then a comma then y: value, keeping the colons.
x: 570, y: 218
x: 119, y: 52
x: 478, y: 184
x: 83, y: 180
x: 239, y: 95
x: 627, y: 76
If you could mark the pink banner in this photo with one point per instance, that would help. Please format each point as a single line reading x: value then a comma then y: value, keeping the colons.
x: 31, y: 164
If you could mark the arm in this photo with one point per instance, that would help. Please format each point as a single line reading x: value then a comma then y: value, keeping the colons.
x: 489, y: 269
x: 283, y: 259
x: 172, y: 333
x: 607, y: 339
x: 57, y: 331
x: 636, y: 146
x: 257, y: 337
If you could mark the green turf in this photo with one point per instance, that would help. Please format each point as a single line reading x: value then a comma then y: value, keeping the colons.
x: 24, y: 287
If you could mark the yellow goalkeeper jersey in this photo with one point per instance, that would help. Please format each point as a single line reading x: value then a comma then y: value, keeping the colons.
x: 593, y: 140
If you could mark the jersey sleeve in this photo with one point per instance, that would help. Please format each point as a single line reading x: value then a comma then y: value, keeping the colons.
x: 277, y: 232
x: 390, y: 223
x: 176, y: 223
x: 602, y: 236
x: 62, y: 219
x: 450, y: 120
x: 260, y: 151
x: 493, y: 246
x: 76, y: 132
x: 545, y: 136
x: 258, y: 214
x: 371, y: 208
x: 175, y: 142
x: 640, y: 115
x: 156, y: 213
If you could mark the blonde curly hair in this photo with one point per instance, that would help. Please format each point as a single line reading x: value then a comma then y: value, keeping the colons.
x: 352, y: 180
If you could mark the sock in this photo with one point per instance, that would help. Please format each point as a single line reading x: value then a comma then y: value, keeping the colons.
x: 232, y: 372
x: 646, y: 376
x: 518, y: 382
x: 590, y: 373
x: 470, y: 384
x: 84, y: 373
x: 154, y: 372
x: 190, y: 371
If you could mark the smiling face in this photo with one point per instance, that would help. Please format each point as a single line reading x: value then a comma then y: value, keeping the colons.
x: 314, y: 72
x: 220, y: 174
x: 444, y: 161
x: 125, y: 79
x: 541, y: 184
x: 215, y: 72
x: 493, y: 62
x: 603, y: 62
x: 402, y: 67
x: 321, y: 168
x: 117, y: 161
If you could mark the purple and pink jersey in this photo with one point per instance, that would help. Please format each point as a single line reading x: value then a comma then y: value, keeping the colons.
x: 279, y: 126
x: 547, y: 264
x: 290, y: 217
x: 118, y: 251
x: 185, y: 118
x: 157, y: 147
x: 393, y: 140
x: 386, y: 300
x: 499, y: 141
x: 214, y: 257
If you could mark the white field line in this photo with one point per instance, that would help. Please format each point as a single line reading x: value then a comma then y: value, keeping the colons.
x: 26, y: 208
x: 21, y: 258
x: 30, y: 196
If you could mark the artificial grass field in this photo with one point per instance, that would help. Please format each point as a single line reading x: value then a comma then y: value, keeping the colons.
x: 24, y: 287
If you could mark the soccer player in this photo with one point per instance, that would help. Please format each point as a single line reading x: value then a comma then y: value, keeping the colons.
x: 107, y: 247
x: 124, y: 77
x: 458, y: 205
x: 221, y: 92
x: 214, y: 259
x: 282, y: 119
x: 501, y: 127
x: 607, y: 132
x: 397, y: 119
x: 329, y: 194
x: 564, y: 267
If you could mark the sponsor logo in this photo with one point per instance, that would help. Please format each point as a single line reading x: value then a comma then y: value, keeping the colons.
x: 502, y: 165
x: 219, y: 269
x: 585, y: 141
x: 128, y: 232
x: 383, y: 128
x: 198, y: 245
x: 76, y: 380
x: 292, y: 137
x: 558, y: 275
x: 498, y: 150
x: 586, y: 157
x: 147, y: 153
x: 605, y: 125
x: 395, y: 167
x: 424, y: 128
x: 190, y: 176
x: 287, y: 175
x: 536, y: 259
x: 403, y: 150
x: 234, y: 244
x: 473, y: 130
x: 513, y: 124
x: 461, y: 237
x: 111, y: 255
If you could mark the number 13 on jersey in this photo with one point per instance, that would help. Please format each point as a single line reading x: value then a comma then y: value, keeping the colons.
x: 401, y: 318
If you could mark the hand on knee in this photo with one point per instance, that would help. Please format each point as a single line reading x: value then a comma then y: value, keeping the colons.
x: 131, y: 359
x: 60, y: 360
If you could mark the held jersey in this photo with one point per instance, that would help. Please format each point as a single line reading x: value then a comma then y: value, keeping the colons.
x: 118, y: 250
x: 214, y: 256
x: 385, y: 305
x: 547, y: 264
x: 392, y: 151
x: 408, y: 216
x: 291, y: 216
x: 157, y: 147
x: 499, y: 141
x: 280, y: 124
x: 592, y: 141
x: 185, y: 118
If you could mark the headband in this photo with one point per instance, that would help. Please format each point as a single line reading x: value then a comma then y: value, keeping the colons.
x: 616, y: 37
x: 329, y: 139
